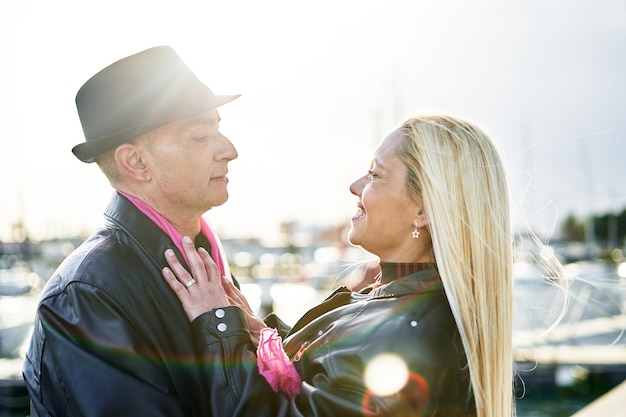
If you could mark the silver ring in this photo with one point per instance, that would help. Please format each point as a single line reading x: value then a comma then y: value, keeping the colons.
x: 190, y: 283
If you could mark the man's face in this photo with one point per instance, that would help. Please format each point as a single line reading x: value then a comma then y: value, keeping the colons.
x: 188, y: 163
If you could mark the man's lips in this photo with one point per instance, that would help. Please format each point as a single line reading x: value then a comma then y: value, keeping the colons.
x: 220, y: 178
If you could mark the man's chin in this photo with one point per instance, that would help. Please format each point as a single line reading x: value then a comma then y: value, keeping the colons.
x: 219, y: 199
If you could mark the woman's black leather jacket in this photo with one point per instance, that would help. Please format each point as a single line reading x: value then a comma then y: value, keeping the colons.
x: 407, y: 317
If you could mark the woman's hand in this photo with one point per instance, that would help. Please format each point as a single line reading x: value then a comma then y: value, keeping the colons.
x: 236, y: 298
x: 200, y: 291
x: 204, y: 290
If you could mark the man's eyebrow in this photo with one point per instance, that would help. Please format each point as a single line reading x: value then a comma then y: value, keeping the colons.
x: 202, y: 121
x: 207, y: 121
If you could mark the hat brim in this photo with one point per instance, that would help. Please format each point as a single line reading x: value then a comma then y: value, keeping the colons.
x: 88, y: 151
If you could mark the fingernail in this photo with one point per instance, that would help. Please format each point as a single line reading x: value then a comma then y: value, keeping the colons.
x: 186, y: 239
x: 166, y: 271
x: 169, y: 252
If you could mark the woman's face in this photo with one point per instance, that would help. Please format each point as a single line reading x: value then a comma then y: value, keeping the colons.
x: 384, y: 221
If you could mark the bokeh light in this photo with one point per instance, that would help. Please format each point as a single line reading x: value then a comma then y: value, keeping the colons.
x: 386, y: 374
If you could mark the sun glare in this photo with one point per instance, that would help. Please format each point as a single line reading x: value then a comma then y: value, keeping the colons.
x: 386, y: 374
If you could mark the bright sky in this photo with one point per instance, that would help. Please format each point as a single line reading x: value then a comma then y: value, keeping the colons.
x: 321, y: 83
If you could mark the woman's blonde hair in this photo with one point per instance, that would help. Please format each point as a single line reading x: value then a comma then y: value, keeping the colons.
x: 454, y: 168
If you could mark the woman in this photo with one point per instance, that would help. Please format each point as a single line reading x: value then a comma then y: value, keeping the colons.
x: 438, y: 322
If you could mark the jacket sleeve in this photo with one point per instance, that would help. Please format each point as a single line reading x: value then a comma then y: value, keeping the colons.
x: 275, y: 322
x: 94, y: 350
x: 223, y: 339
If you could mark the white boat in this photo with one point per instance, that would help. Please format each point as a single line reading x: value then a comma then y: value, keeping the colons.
x: 18, y: 300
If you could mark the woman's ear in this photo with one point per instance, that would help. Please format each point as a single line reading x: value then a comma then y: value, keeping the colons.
x: 421, y: 221
x: 130, y: 162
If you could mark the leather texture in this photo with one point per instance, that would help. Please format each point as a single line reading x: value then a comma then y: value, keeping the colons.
x: 111, y: 338
x: 408, y: 317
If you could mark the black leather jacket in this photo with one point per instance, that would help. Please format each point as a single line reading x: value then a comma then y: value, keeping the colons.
x: 408, y: 317
x: 110, y: 337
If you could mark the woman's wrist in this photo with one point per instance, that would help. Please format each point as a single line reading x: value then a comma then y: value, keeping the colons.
x: 219, y: 323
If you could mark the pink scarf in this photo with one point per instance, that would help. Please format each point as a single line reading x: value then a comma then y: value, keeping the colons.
x: 217, y: 251
x: 273, y: 363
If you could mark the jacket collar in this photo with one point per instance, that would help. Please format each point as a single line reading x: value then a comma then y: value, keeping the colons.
x: 422, y: 281
x: 123, y: 214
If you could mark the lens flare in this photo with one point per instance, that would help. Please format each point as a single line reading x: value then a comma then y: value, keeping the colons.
x: 386, y: 374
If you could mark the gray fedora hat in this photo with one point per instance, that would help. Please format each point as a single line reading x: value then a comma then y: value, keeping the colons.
x: 135, y: 95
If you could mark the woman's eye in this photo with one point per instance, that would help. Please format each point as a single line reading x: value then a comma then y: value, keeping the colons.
x: 201, y: 138
x: 371, y: 174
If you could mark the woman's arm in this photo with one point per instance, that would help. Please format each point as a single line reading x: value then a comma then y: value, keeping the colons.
x: 220, y: 327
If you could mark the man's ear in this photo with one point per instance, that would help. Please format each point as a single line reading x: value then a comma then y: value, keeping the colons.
x: 130, y: 161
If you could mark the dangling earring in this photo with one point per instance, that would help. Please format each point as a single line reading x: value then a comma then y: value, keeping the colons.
x: 415, y: 233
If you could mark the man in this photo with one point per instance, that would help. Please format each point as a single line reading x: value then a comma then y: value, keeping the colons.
x: 110, y: 337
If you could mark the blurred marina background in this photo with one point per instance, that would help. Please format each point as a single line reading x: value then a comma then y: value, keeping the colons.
x: 569, y: 339
x: 321, y: 84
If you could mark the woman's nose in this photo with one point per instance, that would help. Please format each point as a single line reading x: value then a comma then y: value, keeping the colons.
x: 357, y: 186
